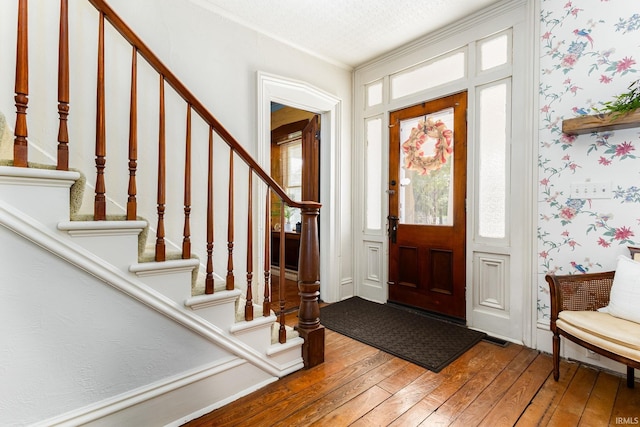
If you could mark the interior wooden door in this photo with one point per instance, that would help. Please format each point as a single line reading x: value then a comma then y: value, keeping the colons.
x: 311, y: 160
x: 427, y: 215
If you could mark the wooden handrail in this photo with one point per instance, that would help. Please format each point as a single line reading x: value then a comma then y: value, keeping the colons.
x: 170, y: 78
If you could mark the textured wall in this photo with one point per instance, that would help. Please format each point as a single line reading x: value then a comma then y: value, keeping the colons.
x: 70, y: 340
x: 588, y: 53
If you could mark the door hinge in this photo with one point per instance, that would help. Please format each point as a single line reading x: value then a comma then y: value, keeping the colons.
x: 318, y: 135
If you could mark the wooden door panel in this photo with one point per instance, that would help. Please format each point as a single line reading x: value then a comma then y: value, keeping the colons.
x: 441, y: 269
x: 427, y: 192
x: 408, y: 268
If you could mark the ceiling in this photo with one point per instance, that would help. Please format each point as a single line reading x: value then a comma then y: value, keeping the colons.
x: 345, y: 32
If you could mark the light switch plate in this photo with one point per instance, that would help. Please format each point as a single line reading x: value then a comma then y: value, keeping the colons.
x: 591, y: 190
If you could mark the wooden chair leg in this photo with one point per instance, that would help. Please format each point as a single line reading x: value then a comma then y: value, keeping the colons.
x: 556, y: 357
x: 630, y: 377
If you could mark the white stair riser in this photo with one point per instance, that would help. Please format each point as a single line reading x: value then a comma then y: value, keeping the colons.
x: 174, y: 284
x: 221, y: 314
x: 290, y: 357
x: 257, y: 334
x: 171, y: 278
x: 44, y: 199
x: 118, y: 248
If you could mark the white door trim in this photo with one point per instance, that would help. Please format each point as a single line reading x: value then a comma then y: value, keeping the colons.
x: 301, y: 95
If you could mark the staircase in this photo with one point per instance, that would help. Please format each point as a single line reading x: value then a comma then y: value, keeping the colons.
x: 104, y: 323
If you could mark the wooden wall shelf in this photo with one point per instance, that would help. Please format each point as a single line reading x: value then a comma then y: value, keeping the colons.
x: 600, y: 123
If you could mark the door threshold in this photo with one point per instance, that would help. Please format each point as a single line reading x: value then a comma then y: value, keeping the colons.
x: 428, y: 313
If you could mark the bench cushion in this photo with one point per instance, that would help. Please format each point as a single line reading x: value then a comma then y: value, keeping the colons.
x: 603, y: 330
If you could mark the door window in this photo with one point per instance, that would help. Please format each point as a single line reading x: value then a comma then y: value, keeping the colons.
x: 373, y: 167
x: 439, y: 71
x: 426, y: 169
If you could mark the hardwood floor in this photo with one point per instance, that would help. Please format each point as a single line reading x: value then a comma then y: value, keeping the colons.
x: 489, y: 385
x: 291, y: 297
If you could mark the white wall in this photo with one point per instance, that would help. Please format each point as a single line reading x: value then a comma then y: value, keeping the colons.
x: 70, y: 340
x: 215, y: 58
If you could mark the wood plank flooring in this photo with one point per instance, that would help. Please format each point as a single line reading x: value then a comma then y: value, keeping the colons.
x: 489, y: 385
x: 291, y: 297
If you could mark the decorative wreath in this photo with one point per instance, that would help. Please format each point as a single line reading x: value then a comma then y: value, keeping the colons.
x: 414, y: 157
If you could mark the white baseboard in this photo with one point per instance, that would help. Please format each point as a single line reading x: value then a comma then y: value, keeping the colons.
x: 172, y: 401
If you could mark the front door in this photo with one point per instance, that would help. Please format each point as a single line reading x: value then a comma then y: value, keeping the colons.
x: 427, y: 218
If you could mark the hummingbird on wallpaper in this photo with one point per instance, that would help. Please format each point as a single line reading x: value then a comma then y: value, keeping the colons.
x: 584, y: 33
x: 578, y: 267
x: 580, y: 111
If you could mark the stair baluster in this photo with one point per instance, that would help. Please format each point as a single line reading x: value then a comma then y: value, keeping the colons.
x: 282, y: 332
x: 100, y: 204
x: 160, y: 233
x: 248, y: 309
x: 63, y: 87
x: 266, y: 302
x: 208, y: 288
x: 186, y: 242
x: 132, y: 204
x: 20, y: 156
x: 230, y: 225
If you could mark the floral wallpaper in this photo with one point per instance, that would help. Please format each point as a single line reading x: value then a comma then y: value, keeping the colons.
x: 589, y: 53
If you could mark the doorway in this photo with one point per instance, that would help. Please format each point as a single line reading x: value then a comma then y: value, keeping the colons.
x: 302, y: 95
x: 295, y: 166
x: 427, y: 205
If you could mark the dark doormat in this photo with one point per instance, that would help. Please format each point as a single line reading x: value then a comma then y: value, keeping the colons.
x: 418, y: 338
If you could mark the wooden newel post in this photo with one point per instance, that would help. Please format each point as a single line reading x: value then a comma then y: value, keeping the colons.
x: 309, y: 326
